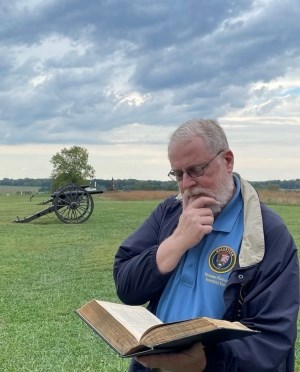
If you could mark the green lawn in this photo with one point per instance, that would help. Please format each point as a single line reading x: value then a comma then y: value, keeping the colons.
x: 48, y: 269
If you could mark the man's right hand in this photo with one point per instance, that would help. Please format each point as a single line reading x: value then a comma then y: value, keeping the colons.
x: 195, y: 221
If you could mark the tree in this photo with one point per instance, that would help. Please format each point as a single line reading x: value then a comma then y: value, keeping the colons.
x: 71, y: 166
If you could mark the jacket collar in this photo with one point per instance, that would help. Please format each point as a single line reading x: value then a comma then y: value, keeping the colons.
x: 253, y: 243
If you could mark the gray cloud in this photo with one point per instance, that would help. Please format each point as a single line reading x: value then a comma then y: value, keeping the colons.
x: 70, y: 69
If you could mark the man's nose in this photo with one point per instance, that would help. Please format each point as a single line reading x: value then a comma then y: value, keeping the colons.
x: 188, y: 181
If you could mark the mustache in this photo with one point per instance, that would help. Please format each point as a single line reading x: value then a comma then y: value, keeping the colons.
x: 199, y: 191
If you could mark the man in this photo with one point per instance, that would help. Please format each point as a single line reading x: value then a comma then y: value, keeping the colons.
x: 214, y: 251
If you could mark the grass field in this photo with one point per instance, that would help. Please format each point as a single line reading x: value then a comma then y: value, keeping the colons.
x: 48, y: 269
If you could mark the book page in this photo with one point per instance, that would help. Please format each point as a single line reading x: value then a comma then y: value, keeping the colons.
x: 227, y: 324
x: 204, y: 329
x: 135, y: 318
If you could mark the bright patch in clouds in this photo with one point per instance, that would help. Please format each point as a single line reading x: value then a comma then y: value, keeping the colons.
x: 133, y: 99
x: 137, y: 133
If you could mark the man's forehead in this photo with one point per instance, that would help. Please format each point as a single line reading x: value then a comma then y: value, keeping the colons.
x: 194, y: 148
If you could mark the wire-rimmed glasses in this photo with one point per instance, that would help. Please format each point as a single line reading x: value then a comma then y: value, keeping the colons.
x: 193, y: 172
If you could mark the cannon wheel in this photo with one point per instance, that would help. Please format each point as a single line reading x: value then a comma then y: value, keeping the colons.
x: 73, y: 204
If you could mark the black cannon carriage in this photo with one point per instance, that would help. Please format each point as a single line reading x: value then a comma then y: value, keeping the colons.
x: 71, y: 204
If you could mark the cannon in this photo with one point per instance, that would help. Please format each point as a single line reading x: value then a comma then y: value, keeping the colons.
x: 71, y: 204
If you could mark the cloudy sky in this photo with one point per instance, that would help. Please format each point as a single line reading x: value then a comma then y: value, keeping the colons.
x: 118, y: 76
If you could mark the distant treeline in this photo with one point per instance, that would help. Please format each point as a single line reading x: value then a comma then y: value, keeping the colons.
x: 44, y: 184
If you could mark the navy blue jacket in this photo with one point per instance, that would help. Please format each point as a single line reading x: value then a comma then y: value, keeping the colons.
x: 262, y: 291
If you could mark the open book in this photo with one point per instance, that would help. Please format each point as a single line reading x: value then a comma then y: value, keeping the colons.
x: 133, y: 330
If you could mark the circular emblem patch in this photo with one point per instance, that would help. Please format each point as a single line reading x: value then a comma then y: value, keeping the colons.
x: 222, y: 259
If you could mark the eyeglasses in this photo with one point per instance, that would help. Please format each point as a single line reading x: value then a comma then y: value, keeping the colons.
x: 193, y: 172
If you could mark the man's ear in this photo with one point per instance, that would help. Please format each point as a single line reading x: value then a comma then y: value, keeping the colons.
x: 229, y: 158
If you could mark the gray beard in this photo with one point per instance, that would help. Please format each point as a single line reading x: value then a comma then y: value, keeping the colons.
x: 223, y: 194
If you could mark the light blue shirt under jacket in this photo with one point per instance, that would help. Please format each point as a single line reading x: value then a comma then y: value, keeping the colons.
x: 196, y: 287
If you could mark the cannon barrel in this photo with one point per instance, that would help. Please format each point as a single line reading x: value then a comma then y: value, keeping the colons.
x: 77, y: 192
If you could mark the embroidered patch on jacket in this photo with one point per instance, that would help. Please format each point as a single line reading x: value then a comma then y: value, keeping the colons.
x: 222, y: 259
